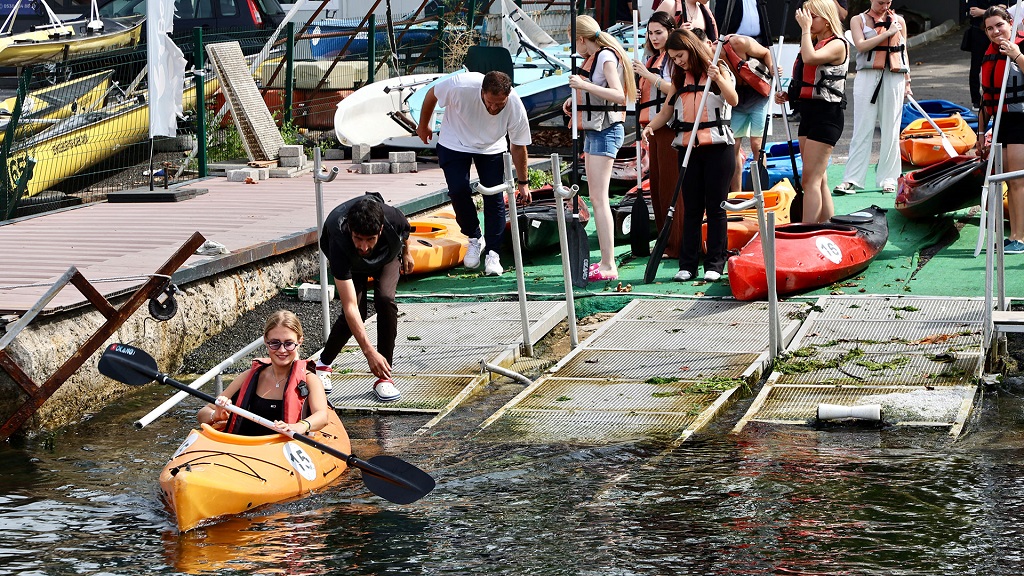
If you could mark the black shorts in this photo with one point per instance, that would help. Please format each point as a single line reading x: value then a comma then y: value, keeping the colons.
x: 1011, y: 128
x: 821, y: 121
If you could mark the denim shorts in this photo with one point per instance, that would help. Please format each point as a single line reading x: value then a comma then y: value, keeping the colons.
x: 749, y: 122
x: 604, y: 142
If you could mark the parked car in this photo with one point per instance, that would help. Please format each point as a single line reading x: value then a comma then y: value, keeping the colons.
x: 213, y: 15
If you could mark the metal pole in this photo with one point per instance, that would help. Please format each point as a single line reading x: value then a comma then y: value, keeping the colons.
x: 562, y: 193
x: 200, y: 80
x: 371, y: 49
x: 198, y: 383
x: 289, y: 71
x: 509, y: 189
x: 319, y: 178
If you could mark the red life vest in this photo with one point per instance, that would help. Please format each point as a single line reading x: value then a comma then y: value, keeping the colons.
x: 592, y: 111
x: 295, y: 392
x: 714, y: 122
x: 650, y: 97
x: 826, y: 82
x: 750, y: 71
x: 993, y: 65
x: 890, y: 54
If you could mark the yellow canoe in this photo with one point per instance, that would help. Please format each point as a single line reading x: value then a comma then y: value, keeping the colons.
x: 55, y: 43
x: 86, y: 139
x: 214, y: 474
x: 42, y: 108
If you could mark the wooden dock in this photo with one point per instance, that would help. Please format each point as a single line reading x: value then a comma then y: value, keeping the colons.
x: 119, y: 240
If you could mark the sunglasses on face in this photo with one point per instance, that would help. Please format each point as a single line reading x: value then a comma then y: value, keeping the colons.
x: 277, y: 344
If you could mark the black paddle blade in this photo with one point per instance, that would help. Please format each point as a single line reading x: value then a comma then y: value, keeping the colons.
x: 659, y: 248
x: 579, y: 253
x: 128, y: 364
x: 410, y: 485
x: 640, y: 227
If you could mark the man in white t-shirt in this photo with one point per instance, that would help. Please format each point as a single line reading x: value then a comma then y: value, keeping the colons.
x: 479, y: 112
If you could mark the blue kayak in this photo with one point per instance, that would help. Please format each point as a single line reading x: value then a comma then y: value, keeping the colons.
x: 938, y: 109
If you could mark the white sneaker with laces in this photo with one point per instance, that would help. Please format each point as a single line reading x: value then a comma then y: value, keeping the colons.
x: 683, y: 276
x: 472, y: 259
x: 712, y: 276
x: 386, y: 391
x: 492, y: 265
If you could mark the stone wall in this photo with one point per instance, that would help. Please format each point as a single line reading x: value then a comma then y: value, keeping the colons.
x: 205, y: 308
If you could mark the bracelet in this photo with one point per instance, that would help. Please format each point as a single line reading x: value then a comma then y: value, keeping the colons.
x: 523, y: 182
x: 309, y: 426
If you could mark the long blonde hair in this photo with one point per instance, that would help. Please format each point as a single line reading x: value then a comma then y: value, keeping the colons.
x: 589, y: 28
x: 826, y: 9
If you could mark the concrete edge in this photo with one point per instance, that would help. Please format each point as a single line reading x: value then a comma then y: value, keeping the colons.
x: 932, y: 34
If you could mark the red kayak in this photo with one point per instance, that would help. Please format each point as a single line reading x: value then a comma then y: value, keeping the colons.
x: 950, y: 185
x: 810, y: 256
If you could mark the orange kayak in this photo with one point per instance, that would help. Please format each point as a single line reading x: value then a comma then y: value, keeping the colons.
x: 437, y: 242
x: 743, y: 224
x: 921, y: 145
x: 214, y: 474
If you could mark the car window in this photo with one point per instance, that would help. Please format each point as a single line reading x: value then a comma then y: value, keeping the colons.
x: 271, y: 7
x: 228, y: 8
x: 183, y: 9
x: 121, y: 8
x: 204, y: 9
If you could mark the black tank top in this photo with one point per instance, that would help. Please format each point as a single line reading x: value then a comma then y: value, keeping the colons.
x: 269, y: 409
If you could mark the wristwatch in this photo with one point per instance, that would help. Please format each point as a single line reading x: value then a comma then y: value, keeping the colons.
x: 523, y: 182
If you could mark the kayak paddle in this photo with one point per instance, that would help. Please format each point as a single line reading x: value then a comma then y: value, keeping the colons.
x: 639, y: 216
x: 579, y: 244
x: 386, y: 476
x: 946, y: 145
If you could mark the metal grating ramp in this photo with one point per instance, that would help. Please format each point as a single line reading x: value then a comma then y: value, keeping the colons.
x: 657, y: 370
x: 438, y: 352
x: 259, y: 132
x: 918, y: 357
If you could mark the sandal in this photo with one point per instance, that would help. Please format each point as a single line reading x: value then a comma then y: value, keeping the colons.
x: 596, y: 275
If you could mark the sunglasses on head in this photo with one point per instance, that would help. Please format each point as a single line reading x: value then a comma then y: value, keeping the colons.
x: 276, y: 345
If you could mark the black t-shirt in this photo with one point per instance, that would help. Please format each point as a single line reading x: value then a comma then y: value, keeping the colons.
x: 337, y: 245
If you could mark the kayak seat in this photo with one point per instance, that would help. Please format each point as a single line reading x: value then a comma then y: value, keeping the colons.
x: 800, y: 230
x: 484, y: 59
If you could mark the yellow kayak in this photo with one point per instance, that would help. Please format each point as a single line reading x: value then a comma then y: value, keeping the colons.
x: 86, y: 139
x: 43, y: 107
x: 214, y: 474
x: 58, y: 43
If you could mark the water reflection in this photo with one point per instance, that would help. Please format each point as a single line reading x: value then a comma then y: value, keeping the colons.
x: 773, y: 500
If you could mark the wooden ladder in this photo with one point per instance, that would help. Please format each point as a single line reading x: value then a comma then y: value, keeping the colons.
x: 255, y: 124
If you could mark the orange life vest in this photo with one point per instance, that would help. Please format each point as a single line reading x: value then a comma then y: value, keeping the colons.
x: 993, y: 65
x: 651, y: 97
x: 826, y: 82
x: 889, y: 55
x: 295, y: 393
x: 592, y: 111
x: 751, y: 71
x: 714, y: 122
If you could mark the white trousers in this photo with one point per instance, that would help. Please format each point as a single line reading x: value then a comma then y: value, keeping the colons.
x: 886, y: 112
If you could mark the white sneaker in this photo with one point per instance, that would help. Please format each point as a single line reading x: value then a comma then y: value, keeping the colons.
x: 683, y: 276
x: 385, y: 390
x: 323, y: 371
x: 492, y: 265
x: 472, y: 259
x: 712, y: 276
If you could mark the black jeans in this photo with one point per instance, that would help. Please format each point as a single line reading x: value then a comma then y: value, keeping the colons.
x: 705, y: 187
x: 490, y: 168
x: 386, y: 280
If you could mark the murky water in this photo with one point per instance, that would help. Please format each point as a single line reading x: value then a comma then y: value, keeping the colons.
x: 769, y: 501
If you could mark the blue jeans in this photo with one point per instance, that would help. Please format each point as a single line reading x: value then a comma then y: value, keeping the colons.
x: 490, y: 168
x: 604, y: 142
